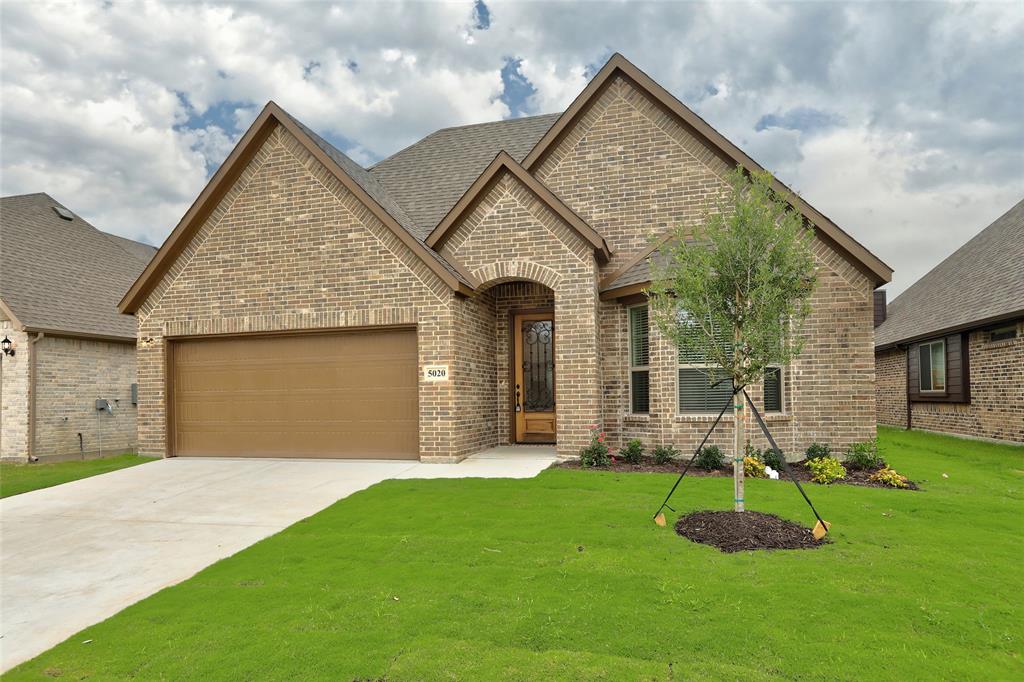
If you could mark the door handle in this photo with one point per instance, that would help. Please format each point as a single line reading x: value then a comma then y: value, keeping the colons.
x: 519, y: 408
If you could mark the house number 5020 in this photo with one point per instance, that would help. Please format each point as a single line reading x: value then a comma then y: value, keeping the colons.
x: 435, y: 372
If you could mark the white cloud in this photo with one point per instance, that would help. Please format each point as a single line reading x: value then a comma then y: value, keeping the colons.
x: 119, y: 109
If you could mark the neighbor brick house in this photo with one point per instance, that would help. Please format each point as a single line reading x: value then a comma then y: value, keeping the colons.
x: 60, y: 281
x: 950, y: 352
x: 483, y: 286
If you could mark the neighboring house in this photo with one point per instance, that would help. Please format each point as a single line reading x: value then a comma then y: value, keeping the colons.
x: 60, y: 281
x: 950, y: 354
x: 483, y: 286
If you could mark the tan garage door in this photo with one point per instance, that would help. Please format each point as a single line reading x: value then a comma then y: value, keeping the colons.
x: 349, y: 394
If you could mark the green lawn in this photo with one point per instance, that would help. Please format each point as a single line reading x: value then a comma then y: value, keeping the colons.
x: 565, y: 577
x: 21, y: 478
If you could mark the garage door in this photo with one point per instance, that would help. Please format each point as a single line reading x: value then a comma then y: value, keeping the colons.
x: 343, y: 395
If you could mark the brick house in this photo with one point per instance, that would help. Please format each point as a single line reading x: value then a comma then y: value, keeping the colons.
x: 949, y: 354
x: 60, y: 281
x: 483, y: 286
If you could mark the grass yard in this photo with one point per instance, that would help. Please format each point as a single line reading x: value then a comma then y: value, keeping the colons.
x: 565, y: 577
x: 21, y: 478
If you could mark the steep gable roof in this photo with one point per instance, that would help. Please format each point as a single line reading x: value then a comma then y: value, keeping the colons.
x: 505, y: 163
x: 428, y: 177
x: 349, y: 173
x: 64, y: 276
x: 981, y: 282
x: 618, y: 65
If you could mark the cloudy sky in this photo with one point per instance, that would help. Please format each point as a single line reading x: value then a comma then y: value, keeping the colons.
x: 902, y: 122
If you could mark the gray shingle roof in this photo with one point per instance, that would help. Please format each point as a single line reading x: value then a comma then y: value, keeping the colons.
x: 983, y: 279
x: 65, y: 275
x: 430, y: 176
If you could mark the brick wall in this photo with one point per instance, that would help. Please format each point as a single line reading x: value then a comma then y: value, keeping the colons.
x: 996, y: 409
x: 891, y: 387
x: 511, y: 235
x: 632, y: 171
x: 70, y: 375
x: 290, y: 248
x: 14, y: 394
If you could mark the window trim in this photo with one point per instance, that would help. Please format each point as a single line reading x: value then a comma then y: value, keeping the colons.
x: 920, y: 370
x: 631, y: 368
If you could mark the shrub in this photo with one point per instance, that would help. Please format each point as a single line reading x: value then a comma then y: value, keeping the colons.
x: 826, y: 469
x: 890, y: 478
x: 632, y: 451
x: 664, y: 454
x: 595, y: 454
x: 753, y: 468
x: 710, y: 458
x: 773, y: 458
x: 817, y: 451
x: 864, y: 456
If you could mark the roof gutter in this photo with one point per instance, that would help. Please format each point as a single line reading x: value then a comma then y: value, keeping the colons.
x: 32, y: 395
x: 966, y: 326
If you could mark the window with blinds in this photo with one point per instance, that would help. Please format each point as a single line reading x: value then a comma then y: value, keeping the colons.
x: 773, y: 389
x: 703, y: 389
x: 639, y: 360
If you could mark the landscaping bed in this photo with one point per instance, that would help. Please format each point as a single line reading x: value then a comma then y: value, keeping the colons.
x: 799, y: 470
x: 740, y: 531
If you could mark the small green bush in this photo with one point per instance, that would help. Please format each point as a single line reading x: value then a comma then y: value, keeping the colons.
x: 890, y: 478
x: 817, y: 451
x: 633, y: 451
x: 710, y: 458
x: 863, y: 456
x: 595, y: 454
x: 664, y: 454
x: 772, y: 458
x: 753, y: 468
x: 826, y: 470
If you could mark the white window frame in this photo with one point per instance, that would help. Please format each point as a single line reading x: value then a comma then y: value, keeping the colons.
x: 629, y: 357
x: 920, y: 370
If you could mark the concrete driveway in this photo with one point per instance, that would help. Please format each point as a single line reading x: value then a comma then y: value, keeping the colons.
x: 76, y: 554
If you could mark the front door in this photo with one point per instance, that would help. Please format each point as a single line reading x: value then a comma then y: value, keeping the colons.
x: 534, y: 364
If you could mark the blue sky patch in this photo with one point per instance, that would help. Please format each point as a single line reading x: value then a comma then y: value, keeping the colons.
x: 518, y: 88
x: 803, y: 119
x: 481, y: 16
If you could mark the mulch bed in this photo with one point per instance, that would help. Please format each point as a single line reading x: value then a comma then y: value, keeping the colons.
x: 798, y: 469
x: 732, y: 531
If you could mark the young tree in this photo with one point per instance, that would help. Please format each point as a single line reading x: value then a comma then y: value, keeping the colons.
x: 737, y: 291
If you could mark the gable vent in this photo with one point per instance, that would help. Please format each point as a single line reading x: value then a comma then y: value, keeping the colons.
x: 63, y: 213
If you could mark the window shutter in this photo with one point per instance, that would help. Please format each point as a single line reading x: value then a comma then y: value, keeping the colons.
x: 696, y: 393
x: 773, y: 389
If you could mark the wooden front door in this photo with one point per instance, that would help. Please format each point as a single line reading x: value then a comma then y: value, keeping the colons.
x: 534, y: 364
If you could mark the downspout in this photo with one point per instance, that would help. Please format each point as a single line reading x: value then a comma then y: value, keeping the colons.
x: 32, y: 395
x: 906, y: 382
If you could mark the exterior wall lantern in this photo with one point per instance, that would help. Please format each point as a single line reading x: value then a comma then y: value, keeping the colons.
x: 7, y: 346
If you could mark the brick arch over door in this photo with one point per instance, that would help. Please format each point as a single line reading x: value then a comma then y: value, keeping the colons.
x: 512, y: 270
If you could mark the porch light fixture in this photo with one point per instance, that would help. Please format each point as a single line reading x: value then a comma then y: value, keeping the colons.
x: 8, y: 346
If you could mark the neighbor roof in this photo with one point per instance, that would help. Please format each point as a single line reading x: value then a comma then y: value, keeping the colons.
x: 64, y: 276
x: 982, y: 282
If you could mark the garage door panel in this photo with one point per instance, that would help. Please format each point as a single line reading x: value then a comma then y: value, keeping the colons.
x: 337, y: 395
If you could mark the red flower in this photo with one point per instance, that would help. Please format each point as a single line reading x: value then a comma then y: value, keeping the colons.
x: 600, y: 439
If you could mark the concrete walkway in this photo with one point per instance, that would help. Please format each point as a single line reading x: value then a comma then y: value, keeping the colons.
x: 76, y: 554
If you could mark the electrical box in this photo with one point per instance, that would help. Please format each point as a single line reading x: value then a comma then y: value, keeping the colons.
x: 102, y: 404
x: 135, y: 394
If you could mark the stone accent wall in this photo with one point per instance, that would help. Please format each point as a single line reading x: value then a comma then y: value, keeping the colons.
x: 996, y: 409
x: 631, y: 171
x: 891, y: 387
x: 14, y: 394
x: 289, y: 247
x: 70, y: 375
x: 512, y: 235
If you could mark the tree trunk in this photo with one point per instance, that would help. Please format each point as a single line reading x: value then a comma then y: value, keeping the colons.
x: 739, y: 449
